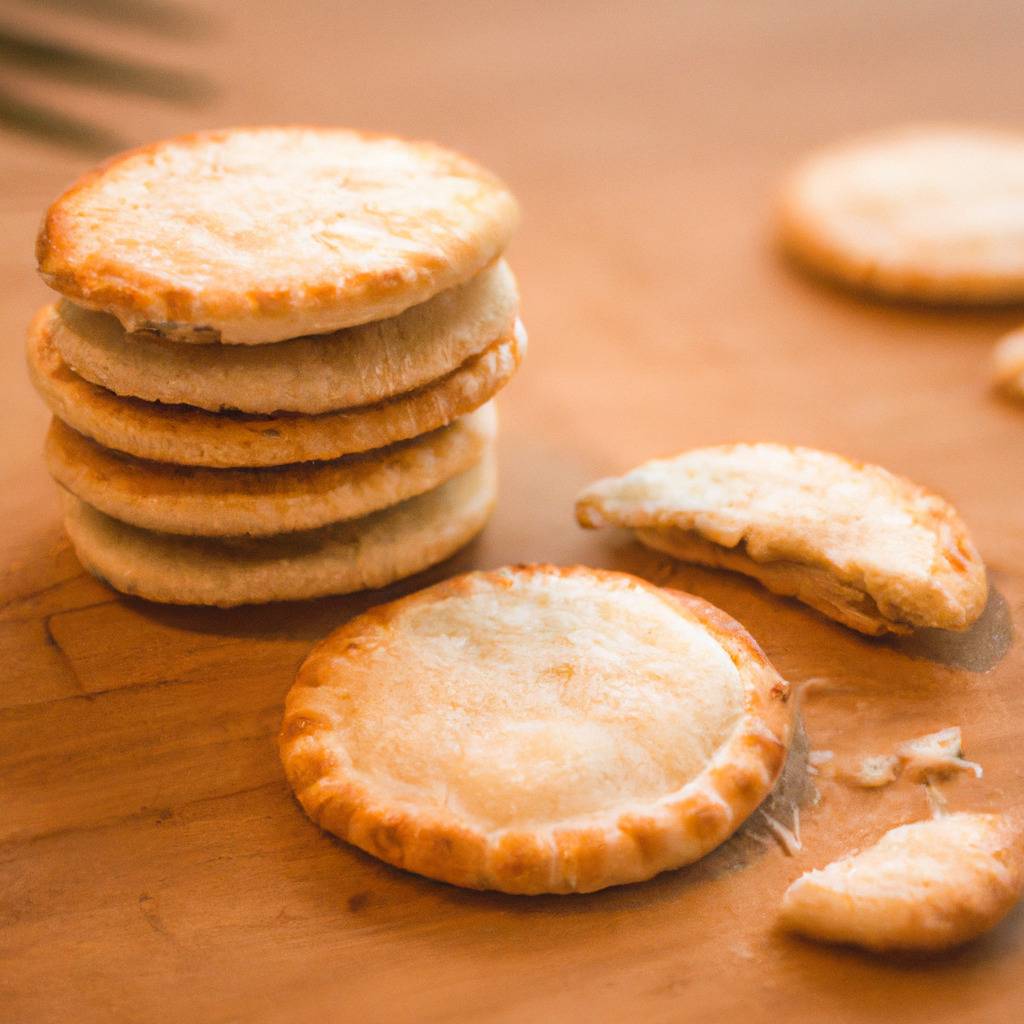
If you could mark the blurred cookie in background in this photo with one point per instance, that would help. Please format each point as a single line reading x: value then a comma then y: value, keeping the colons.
x: 925, y: 213
x: 1008, y: 365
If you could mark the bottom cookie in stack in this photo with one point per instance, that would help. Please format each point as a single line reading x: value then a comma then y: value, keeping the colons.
x: 230, y: 537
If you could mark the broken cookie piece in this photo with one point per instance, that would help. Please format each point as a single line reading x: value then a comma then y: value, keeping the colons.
x: 821, y: 762
x: 875, y: 771
x: 936, y: 755
x: 861, y: 545
x: 925, y: 886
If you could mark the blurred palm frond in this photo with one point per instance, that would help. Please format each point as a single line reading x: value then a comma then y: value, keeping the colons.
x: 83, y: 67
x: 33, y: 119
x: 25, y: 53
x: 163, y: 18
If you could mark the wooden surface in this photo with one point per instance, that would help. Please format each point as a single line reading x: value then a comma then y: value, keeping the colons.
x: 154, y: 865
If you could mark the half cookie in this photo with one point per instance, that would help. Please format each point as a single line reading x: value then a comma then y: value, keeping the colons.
x: 254, y: 235
x: 861, y: 545
x: 357, y: 554
x: 536, y: 729
x: 925, y: 886
x: 933, y: 214
x: 258, y: 502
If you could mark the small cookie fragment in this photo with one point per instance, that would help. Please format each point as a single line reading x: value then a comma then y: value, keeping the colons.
x: 788, y: 838
x: 929, y: 213
x: 875, y: 771
x: 936, y: 755
x: 926, y: 886
x: 1008, y: 365
x: 863, y: 546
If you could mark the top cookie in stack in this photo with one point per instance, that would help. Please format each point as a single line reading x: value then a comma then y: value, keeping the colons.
x: 271, y: 364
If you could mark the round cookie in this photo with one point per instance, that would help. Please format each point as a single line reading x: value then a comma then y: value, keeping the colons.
x: 536, y: 729
x: 193, y: 437
x: 356, y: 366
x: 259, y: 502
x: 358, y: 554
x: 255, y: 235
x: 1008, y: 364
x: 933, y: 214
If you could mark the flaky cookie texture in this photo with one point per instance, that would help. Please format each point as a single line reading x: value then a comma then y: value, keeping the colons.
x: 1008, y: 364
x: 255, y: 235
x: 358, y: 554
x: 259, y: 502
x: 926, y: 886
x: 193, y: 437
x: 932, y: 213
x: 536, y: 729
x: 860, y: 544
x: 352, y: 367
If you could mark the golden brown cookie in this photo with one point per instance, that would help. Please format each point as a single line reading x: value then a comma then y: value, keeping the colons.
x: 930, y: 213
x: 358, y: 554
x: 536, y: 729
x: 352, y: 367
x: 1008, y: 365
x: 861, y: 545
x: 261, y: 502
x: 193, y: 437
x: 254, y: 235
x: 922, y: 887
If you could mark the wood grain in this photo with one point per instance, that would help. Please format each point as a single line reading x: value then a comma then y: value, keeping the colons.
x: 154, y: 866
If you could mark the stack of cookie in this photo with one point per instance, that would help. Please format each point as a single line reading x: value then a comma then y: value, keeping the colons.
x: 272, y: 365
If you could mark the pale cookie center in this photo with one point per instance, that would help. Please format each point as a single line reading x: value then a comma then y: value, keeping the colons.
x: 371, y: 203
x: 534, y: 706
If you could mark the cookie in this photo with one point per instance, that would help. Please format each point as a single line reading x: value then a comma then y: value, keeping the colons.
x: 255, y: 235
x: 260, y: 502
x: 936, y: 755
x: 536, y: 729
x: 1008, y: 365
x: 358, y: 554
x: 861, y: 545
x: 356, y: 366
x: 926, y: 886
x: 928, y: 213
x: 192, y: 437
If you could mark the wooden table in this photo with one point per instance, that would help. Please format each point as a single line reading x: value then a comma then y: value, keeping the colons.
x: 155, y: 866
